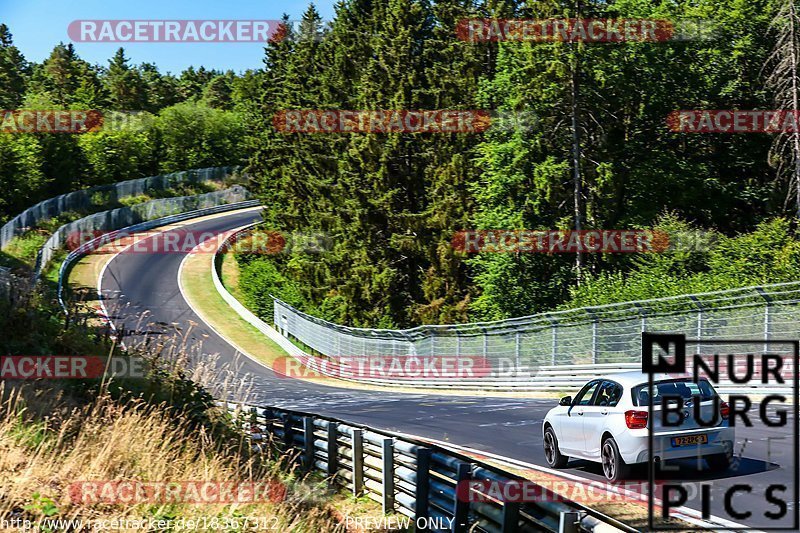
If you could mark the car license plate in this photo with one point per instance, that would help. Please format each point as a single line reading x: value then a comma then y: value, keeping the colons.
x: 689, y: 440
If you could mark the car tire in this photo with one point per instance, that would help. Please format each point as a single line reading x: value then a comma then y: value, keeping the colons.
x: 719, y: 462
x: 552, y: 454
x: 614, y: 467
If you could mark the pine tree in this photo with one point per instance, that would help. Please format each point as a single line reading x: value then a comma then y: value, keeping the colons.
x: 13, y: 71
x: 126, y: 89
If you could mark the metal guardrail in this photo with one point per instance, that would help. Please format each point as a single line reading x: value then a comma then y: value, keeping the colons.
x: 126, y: 216
x: 547, y: 377
x: 87, y: 247
x: 410, y: 477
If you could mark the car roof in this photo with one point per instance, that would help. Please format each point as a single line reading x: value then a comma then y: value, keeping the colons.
x: 635, y: 377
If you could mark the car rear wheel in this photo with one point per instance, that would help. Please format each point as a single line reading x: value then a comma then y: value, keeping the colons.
x: 551, y: 452
x: 719, y: 462
x: 614, y: 467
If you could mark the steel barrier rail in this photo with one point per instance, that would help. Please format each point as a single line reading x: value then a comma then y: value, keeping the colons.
x: 558, y: 379
x: 411, y: 477
x: 82, y: 199
x: 106, y: 238
x: 548, y: 377
x: 126, y: 216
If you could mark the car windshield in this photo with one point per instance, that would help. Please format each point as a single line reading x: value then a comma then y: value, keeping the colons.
x: 673, y: 387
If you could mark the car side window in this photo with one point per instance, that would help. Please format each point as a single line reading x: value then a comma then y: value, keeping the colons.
x: 584, y: 397
x: 609, y: 394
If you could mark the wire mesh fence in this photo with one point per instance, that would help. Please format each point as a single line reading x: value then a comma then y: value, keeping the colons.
x: 128, y: 216
x: 84, y: 199
x: 588, y: 335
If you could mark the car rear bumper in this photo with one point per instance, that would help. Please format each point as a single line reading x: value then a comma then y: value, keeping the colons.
x: 634, y: 445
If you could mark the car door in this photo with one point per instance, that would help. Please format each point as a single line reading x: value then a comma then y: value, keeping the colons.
x: 595, y: 415
x: 571, y: 438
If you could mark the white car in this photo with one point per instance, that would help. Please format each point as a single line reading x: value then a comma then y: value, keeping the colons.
x: 607, y: 422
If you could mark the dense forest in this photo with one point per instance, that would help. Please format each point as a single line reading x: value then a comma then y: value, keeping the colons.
x: 599, y: 153
x: 171, y: 122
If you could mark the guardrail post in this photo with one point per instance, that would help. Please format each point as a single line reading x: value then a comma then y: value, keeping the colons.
x: 510, y: 517
x: 387, y: 475
x: 333, y: 450
x: 308, y: 442
x: 269, y: 424
x: 461, y: 508
x: 288, y: 432
x: 422, y: 489
x: 568, y: 522
x: 358, y: 462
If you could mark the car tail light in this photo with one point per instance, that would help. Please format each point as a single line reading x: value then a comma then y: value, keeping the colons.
x: 636, y: 419
x: 724, y: 410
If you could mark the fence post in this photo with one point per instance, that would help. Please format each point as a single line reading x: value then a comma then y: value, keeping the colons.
x: 643, y: 315
x: 461, y: 508
x: 485, y: 344
x: 422, y: 489
x: 554, y: 351
x: 308, y: 441
x: 594, y: 334
x: 517, y: 362
x: 358, y: 462
x: 458, y: 344
x: 387, y: 475
x: 699, y: 332
x: 333, y: 450
x: 767, y: 318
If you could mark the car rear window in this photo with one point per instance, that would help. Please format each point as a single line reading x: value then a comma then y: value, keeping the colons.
x: 674, y: 387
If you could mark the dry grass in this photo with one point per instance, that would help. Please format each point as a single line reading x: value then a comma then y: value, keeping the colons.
x: 42, y: 456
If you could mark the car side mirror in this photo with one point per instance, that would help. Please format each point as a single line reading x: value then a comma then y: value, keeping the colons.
x: 566, y: 400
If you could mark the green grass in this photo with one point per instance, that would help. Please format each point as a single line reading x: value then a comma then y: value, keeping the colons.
x: 22, y: 250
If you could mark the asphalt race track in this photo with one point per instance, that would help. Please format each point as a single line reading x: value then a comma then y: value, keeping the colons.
x: 138, y: 284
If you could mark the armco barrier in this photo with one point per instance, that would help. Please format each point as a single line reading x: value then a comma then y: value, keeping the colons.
x: 79, y: 200
x: 143, y: 226
x: 566, y: 378
x: 127, y: 216
x: 410, y: 477
x: 326, y: 366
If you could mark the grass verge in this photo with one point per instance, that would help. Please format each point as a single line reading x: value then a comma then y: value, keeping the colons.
x: 198, y: 288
